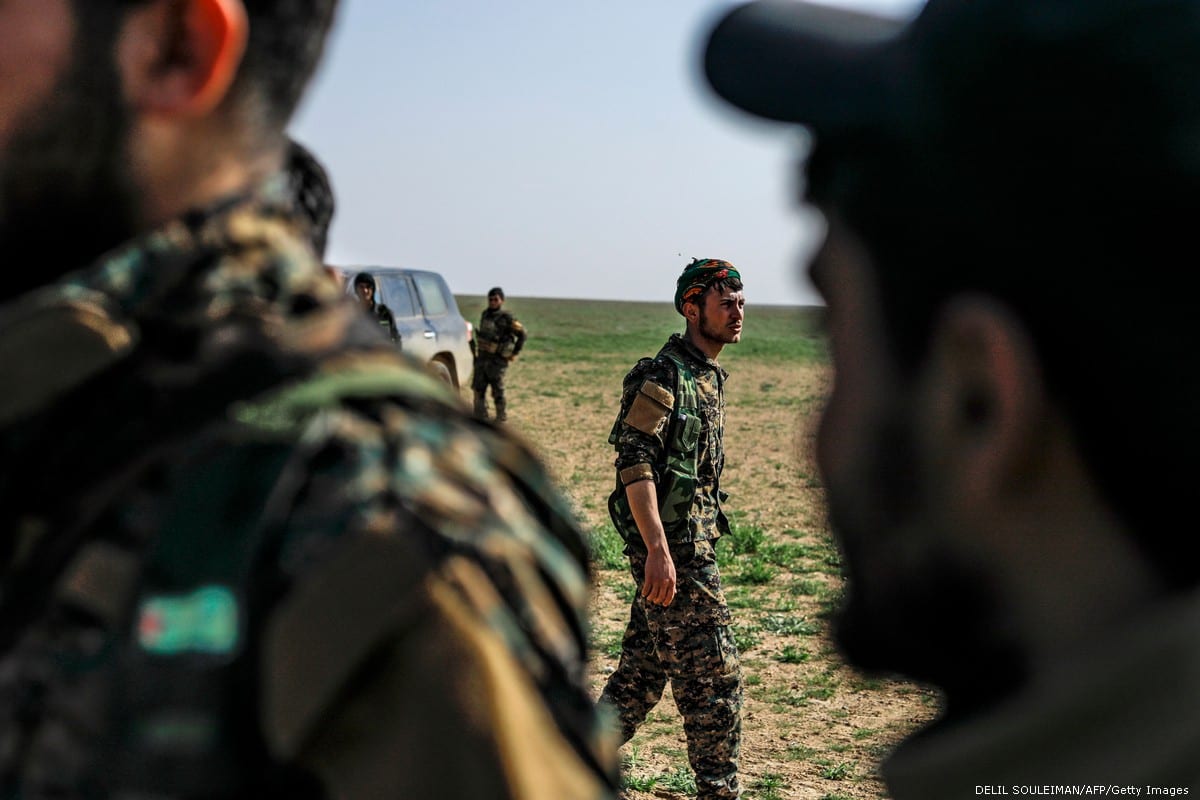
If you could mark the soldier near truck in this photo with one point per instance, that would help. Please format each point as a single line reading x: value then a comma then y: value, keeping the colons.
x: 667, y: 506
x: 498, y: 341
x: 365, y: 290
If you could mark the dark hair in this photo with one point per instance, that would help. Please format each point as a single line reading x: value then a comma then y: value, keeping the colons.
x: 364, y: 278
x: 1101, y: 283
x: 313, y: 193
x: 729, y: 283
x: 287, y: 38
x: 496, y: 291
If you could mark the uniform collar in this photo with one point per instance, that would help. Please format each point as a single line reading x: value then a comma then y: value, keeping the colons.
x: 695, y: 354
x: 244, y: 252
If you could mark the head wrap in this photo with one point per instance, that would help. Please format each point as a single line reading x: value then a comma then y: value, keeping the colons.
x: 698, y: 276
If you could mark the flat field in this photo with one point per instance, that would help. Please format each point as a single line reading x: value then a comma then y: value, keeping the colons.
x: 813, y: 728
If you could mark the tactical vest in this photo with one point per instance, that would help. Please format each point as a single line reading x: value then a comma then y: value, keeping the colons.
x: 678, y: 472
x: 175, y: 692
x: 175, y: 688
x: 493, y: 338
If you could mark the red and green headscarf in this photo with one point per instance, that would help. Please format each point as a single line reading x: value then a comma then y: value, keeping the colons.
x: 698, y: 276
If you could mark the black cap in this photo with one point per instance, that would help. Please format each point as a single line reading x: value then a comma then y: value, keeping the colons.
x: 813, y: 64
x: 1078, y: 84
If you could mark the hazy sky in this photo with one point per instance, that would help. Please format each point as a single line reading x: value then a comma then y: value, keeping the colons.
x: 558, y: 148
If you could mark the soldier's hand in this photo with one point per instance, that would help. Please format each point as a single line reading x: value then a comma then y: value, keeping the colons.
x: 659, y: 585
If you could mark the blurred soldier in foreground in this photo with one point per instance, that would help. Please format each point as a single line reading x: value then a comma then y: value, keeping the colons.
x: 364, y: 289
x: 669, y: 437
x: 248, y: 551
x: 1007, y: 467
x: 313, y: 192
x: 498, y: 341
x: 314, y: 199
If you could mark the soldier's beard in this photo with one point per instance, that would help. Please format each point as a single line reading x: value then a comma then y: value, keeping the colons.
x: 915, y: 603
x: 66, y: 193
x: 712, y: 333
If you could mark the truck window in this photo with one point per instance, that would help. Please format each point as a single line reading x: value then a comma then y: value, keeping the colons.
x: 397, y: 295
x: 432, y: 298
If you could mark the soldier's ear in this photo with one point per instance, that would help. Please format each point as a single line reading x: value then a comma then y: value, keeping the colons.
x: 986, y: 409
x: 180, y: 57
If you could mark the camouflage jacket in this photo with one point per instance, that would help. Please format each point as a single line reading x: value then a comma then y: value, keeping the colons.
x: 499, y: 333
x: 387, y: 320
x: 250, y: 551
x: 644, y: 424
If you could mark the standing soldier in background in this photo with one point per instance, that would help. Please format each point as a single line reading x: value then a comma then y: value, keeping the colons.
x: 667, y: 506
x: 364, y: 289
x: 498, y: 341
x: 247, y: 550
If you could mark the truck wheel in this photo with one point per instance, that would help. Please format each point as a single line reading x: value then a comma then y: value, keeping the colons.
x: 441, y: 371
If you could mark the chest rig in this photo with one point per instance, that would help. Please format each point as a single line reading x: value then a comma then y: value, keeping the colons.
x: 678, y: 470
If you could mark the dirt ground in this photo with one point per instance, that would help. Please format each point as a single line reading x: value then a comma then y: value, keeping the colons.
x: 813, y: 728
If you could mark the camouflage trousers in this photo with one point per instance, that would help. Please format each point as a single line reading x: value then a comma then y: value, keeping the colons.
x: 489, y: 371
x: 690, y: 644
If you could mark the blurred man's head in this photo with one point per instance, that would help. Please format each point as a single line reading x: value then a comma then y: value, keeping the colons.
x: 118, y: 114
x: 495, y: 297
x: 313, y: 192
x: 1009, y: 187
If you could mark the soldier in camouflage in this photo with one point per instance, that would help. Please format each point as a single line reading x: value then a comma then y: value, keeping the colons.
x: 667, y: 506
x: 498, y: 341
x: 248, y: 549
x: 364, y: 290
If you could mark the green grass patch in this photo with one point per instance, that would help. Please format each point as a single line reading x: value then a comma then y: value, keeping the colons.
x: 767, y: 787
x: 755, y: 571
x: 793, y: 655
x: 570, y: 329
x: 789, y: 625
x: 837, y: 772
x: 607, y: 548
x: 746, y: 637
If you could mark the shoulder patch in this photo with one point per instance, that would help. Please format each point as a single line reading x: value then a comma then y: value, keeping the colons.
x: 658, y: 393
x: 205, y: 621
x: 649, y: 408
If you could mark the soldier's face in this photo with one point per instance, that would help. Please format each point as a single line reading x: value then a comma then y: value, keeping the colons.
x: 366, y: 293
x: 721, y: 315
x: 495, y: 301
x: 918, y: 599
x: 65, y: 192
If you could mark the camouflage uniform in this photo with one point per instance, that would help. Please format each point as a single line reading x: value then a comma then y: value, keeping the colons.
x: 251, y: 552
x: 498, y: 339
x: 383, y: 315
x: 688, y: 642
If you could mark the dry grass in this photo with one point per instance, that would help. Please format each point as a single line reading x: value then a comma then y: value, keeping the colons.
x: 814, y: 728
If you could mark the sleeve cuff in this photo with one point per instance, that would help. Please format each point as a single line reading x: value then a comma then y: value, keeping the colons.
x: 638, y: 472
